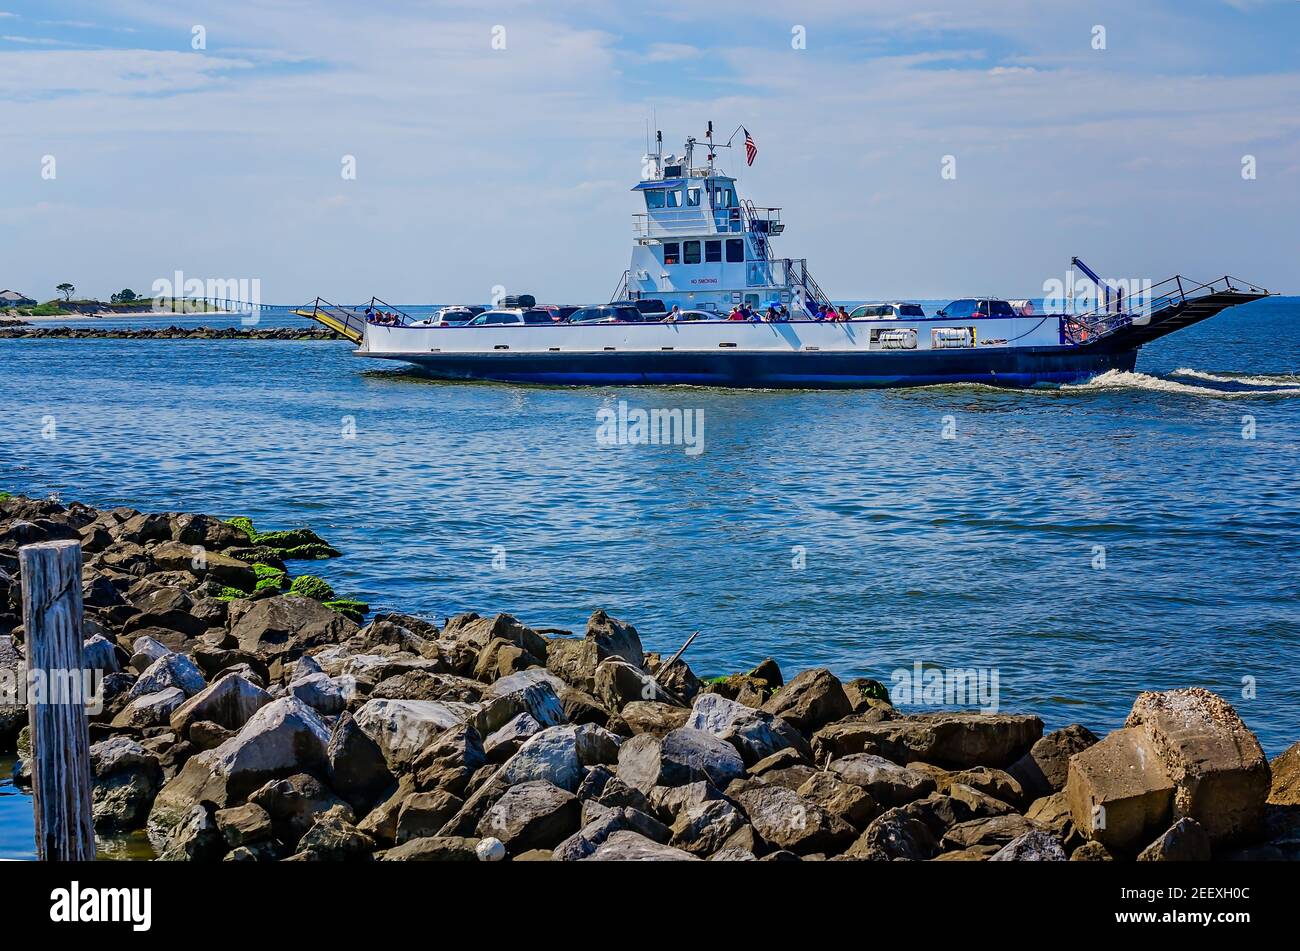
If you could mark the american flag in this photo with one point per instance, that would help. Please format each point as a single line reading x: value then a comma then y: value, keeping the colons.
x: 751, y: 150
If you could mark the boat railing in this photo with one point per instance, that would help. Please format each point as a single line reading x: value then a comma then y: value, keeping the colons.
x: 1173, y: 292
x: 762, y: 220
x: 684, y: 222
x: 342, y: 320
x: 381, y: 305
x: 793, y: 273
x: 620, y: 291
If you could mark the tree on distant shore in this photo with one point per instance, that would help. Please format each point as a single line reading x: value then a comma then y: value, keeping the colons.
x: 124, y: 296
x: 67, y: 290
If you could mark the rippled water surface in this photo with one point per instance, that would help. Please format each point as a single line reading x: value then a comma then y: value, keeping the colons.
x: 974, y: 551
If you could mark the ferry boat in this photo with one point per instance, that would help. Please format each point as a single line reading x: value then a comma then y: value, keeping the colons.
x: 699, y: 246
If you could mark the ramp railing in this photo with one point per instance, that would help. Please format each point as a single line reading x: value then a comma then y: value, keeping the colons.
x: 345, y: 321
x: 1177, y: 291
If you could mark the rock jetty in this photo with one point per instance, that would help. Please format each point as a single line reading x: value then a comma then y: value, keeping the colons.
x: 252, y: 716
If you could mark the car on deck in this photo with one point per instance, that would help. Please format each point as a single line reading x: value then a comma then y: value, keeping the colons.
x: 514, y: 316
x: 609, y: 314
x: 975, y: 307
x: 891, y: 311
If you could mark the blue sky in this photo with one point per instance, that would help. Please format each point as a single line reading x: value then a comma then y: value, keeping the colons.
x: 479, y: 167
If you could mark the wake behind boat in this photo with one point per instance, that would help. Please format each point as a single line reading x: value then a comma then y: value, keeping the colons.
x: 700, y: 253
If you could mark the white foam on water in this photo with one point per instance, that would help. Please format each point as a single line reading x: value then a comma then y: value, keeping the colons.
x: 1125, y: 380
x: 1282, y: 379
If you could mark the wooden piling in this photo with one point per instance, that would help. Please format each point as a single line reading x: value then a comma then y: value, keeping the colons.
x: 56, y: 708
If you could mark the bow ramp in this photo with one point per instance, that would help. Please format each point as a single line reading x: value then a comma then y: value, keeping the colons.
x: 1173, y: 305
x: 1183, y: 306
x: 347, y: 321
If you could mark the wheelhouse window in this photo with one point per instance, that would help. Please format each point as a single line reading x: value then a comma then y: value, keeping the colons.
x: 735, y: 250
x: 655, y: 198
x: 691, y: 252
x: 674, y: 198
x: 692, y: 197
x: 672, y: 252
x: 712, y: 252
x: 724, y: 196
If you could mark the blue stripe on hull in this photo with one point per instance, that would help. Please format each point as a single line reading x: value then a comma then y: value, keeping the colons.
x: 802, y: 370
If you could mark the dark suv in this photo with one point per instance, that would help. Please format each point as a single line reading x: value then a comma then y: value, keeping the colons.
x: 975, y: 307
x: 609, y: 314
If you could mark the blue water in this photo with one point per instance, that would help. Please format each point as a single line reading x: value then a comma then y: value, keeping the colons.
x: 975, y: 551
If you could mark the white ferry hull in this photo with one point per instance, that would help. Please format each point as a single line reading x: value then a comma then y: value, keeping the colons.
x: 1015, y: 352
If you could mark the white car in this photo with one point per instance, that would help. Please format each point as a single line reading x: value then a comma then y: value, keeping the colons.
x: 515, y: 316
x: 891, y: 311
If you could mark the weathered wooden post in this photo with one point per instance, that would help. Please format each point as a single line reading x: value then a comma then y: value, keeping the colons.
x: 56, y: 704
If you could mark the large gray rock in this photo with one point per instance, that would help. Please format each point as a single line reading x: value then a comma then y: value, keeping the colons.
x: 994, y: 830
x: 423, y: 814
x: 754, y: 733
x: 403, y: 729
x: 1045, y: 768
x: 99, y: 653
x: 127, y: 777
x: 531, y: 815
x: 1119, y: 791
x: 286, y: 626
x: 521, y: 681
x: 175, y: 556
x: 1220, y: 775
x: 683, y: 756
x: 244, y: 825
x: 887, y: 783
x: 333, y: 838
x: 152, y: 709
x: 357, y: 768
x: 282, y: 738
x: 1184, y: 841
x: 1032, y: 846
x: 702, y: 829
x: 559, y: 754
x: 505, y: 742
x: 323, y: 693
x: 230, y: 701
x: 810, y: 701
x: 652, y: 716
x: 194, y: 838
x: 786, y: 820
x: 295, y: 803
x: 574, y: 660
x: 435, y: 849
x: 480, y: 631
x: 627, y: 846
x: 451, y: 760
x: 615, y: 639
x: 959, y: 740
x: 538, y: 700
x: 895, y: 834
x: 841, y: 798
x: 619, y: 683
x: 170, y: 670
x: 599, y: 827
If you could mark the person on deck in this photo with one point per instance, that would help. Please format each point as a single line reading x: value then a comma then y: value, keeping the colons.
x: 736, y: 313
x: 674, y: 315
